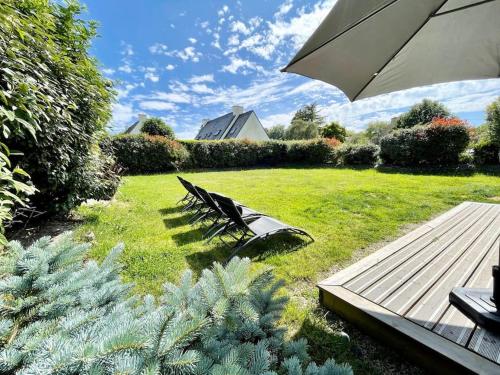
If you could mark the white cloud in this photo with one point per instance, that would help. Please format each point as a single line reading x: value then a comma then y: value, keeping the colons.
x: 233, y: 40
x: 170, y: 67
x: 123, y: 116
x: 201, y: 79
x: 156, y: 105
x: 127, y: 49
x: 193, y: 40
x: 173, y: 97
x: 277, y: 119
x: 245, y: 66
x: 201, y: 89
x: 158, y: 49
x: 126, y: 68
x: 223, y: 11
x: 216, y: 42
x: 123, y: 91
x: 187, y: 54
x: 240, y: 27
x: 153, y: 77
x: 297, y: 30
x: 108, y: 71
x: 284, y: 8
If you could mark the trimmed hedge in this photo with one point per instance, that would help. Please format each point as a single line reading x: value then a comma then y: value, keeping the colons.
x: 231, y: 154
x: 148, y: 154
x: 435, y: 144
x: 364, y: 154
x: 486, y: 153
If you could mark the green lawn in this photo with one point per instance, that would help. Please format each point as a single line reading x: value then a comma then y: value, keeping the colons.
x: 344, y: 209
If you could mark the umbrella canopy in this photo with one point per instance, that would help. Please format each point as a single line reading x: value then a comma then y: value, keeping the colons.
x: 371, y: 47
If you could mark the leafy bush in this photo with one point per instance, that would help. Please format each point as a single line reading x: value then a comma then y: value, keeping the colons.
x: 439, y: 143
x: 300, y: 129
x: 277, y: 132
x: 334, y: 130
x: 493, y: 120
x: 376, y: 130
x: 148, y: 154
x: 422, y: 114
x: 61, y: 313
x: 362, y: 154
x: 53, y: 98
x: 311, y: 152
x: 156, y: 126
x: 486, y: 153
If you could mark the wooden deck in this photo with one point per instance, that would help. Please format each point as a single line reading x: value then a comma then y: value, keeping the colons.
x: 400, y: 293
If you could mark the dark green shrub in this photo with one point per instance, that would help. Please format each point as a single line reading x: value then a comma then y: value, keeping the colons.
x: 156, y: 126
x: 318, y: 151
x: 53, y: 98
x: 422, y: 114
x: 148, y: 154
x: 440, y: 143
x: 486, y: 153
x: 402, y: 147
x: 232, y: 154
x: 334, y: 130
x: 362, y: 154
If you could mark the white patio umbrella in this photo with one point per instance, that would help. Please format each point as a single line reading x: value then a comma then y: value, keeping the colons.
x: 371, y: 47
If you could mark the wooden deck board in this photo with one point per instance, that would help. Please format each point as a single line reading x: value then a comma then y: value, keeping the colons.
x: 365, y: 279
x: 435, y: 252
x: 410, y: 279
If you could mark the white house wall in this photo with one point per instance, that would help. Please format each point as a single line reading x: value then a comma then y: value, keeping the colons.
x: 253, y: 130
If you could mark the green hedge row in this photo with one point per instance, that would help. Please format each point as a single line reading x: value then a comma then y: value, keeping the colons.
x: 425, y: 145
x: 146, y: 154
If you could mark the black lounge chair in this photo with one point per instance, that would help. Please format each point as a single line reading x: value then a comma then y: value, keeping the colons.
x: 255, y: 229
x: 191, y: 199
x: 220, y: 221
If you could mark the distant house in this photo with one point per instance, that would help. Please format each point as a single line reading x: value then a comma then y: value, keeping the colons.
x: 237, y: 124
x: 137, y: 126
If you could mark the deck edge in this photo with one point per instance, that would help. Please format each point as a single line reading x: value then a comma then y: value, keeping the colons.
x: 424, y: 347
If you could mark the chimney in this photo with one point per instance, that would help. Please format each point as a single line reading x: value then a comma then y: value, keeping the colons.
x: 238, y: 110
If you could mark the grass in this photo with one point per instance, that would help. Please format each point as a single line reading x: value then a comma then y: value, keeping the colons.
x: 344, y: 209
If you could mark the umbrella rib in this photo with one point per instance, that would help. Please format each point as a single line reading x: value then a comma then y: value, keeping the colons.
x: 399, y: 50
x: 463, y: 8
x: 340, y: 34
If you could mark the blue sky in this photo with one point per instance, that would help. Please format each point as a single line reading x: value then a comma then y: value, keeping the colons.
x: 189, y: 60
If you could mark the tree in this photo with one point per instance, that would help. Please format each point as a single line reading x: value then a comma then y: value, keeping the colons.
x: 422, y: 114
x: 376, y: 130
x: 334, y: 130
x: 156, y: 126
x: 277, y: 132
x: 309, y: 113
x: 54, y: 102
x: 63, y: 313
x: 493, y: 119
x: 300, y: 129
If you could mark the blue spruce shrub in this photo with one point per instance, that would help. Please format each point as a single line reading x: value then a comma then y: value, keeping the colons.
x: 61, y: 313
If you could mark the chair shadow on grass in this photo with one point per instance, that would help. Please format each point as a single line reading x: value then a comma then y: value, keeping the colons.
x: 170, y: 210
x: 175, y: 222
x: 190, y: 236
x: 219, y: 252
